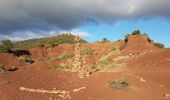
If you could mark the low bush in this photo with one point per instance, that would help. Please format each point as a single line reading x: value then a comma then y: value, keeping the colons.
x: 159, y: 45
x: 105, y: 40
x: 26, y: 60
x: 6, y: 46
x: 104, y: 62
x: 145, y: 34
x: 119, y: 40
x: 136, y: 32
x: 87, y: 51
x: 127, y: 35
x: 59, y: 67
x: 2, y: 69
x: 113, y: 49
x: 94, y: 68
x: 149, y: 40
x: 121, y: 84
x: 66, y: 55
x: 52, y: 43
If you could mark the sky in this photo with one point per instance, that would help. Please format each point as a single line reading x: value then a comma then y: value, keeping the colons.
x: 93, y: 20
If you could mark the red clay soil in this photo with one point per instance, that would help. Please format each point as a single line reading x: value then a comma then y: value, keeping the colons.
x: 148, y: 75
x: 138, y: 44
x: 61, y: 49
x: 97, y: 87
x: 36, y: 76
x: 153, y: 66
x: 38, y: 52
x: 41, y: 52
x: 8, y: 60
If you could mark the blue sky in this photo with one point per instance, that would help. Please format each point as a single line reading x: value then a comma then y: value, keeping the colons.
x: 158, y: 29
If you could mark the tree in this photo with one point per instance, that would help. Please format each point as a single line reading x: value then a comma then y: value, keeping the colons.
x: 105, y: 40
x: 159, y: 45
x: 6, y: 45
x: 127, y: 35
x: 136, y: 32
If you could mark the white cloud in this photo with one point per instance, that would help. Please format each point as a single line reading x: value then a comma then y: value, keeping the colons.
x: 79, y: 32
x: 57, y: 15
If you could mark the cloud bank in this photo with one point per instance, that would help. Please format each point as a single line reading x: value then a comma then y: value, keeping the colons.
x: 23, y: 17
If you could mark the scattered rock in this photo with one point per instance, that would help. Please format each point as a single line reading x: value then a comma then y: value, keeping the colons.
x: 142, y: 80
x: 77, y: 90
x: 62, y: 94
x: 168, y: 59
x: 12, y: 68
x: 167, y: 95
x: 162, y: 85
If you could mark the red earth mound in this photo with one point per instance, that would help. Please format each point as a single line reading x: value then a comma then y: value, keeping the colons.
x: 137, y: 44
x: 8, y: 60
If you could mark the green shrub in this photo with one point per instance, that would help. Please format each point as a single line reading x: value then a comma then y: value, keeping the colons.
x: 59, y: 67
x: 113, y: 49
x: 159, y: 45
x: 104, y: 61
x: 66, y: 55
x: 6, y: 46
x: 94, y: 69
x: 136, y: 32
x: 87, y: 51
x: 26, y: 60
x: 145, y: 34
x: 119, y: 40
x: 149, y: 40
x: 127, y: 35
x: 105, y: 40
x: 2, y: 69
x: 52, y: 41
x: 121, y: 84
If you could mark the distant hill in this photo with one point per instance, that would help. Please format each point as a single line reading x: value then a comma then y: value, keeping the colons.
x: 51, y: 41
x: 137, y: 42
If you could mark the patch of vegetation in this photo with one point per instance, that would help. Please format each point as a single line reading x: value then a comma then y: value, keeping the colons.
x: 119, y: 40
x: 159, y: 45
x: 42, y: 59
x: 63, y: 56
x: 120, y: 84
x: 104, y: 62
x: 2, y: 69
x: 105, y: 40
x: 59, y: 67
x: 87, y: 51
x: 52, y: 41
x: 146, y: 34
x: 66, y: 55
x: 113, y: 49
x: 94, y: 68
x: 136, y: 32
x: 6, y: 46
x: 149, y: 40
x: 127, y: 35
x: 122, y: 47
x: 26, y: 60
